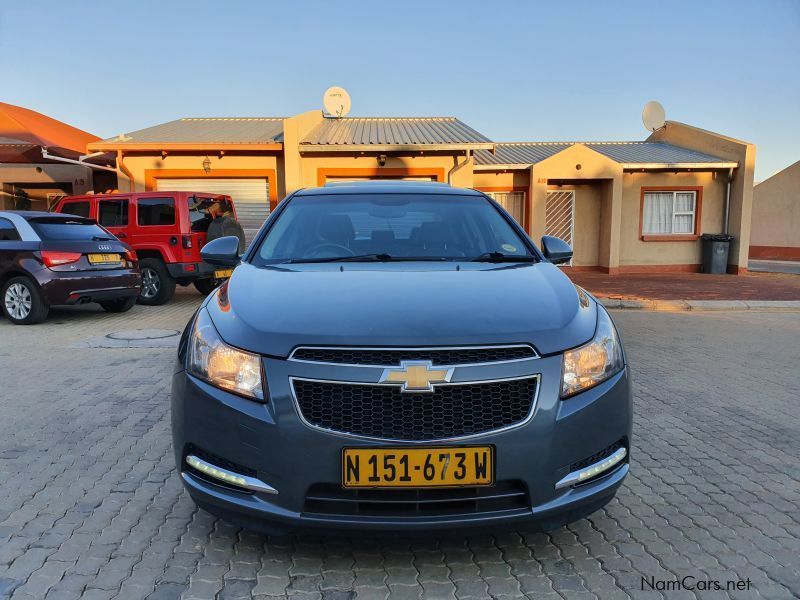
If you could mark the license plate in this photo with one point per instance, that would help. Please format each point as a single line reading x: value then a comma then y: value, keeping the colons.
x: 104, y: 259
x: 417, y: 467
x: 223, y: 273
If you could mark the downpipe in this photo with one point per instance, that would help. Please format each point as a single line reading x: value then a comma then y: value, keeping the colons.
x: 458, y: 167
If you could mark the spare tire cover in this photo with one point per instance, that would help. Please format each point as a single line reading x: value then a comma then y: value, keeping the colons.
x: 224, y: 226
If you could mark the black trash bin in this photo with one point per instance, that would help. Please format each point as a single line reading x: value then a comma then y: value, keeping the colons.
x: 715, y: 252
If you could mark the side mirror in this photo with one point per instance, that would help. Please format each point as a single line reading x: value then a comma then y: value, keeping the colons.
x: 556, y: 250
x: 221, y: 252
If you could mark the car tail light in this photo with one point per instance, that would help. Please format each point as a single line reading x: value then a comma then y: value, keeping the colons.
x: 131, y: 255
x: 55, y: 259
x: 187, y: 241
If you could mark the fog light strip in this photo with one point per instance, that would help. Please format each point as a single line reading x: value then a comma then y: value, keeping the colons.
x: 229, y: 477
x: 592, y: 470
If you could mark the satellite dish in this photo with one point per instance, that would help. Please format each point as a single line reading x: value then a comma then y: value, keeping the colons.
x: 336, y: 101
x: 653, y: 116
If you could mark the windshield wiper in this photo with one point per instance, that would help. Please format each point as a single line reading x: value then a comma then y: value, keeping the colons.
x: 500, y: 257
x: 383, y: 257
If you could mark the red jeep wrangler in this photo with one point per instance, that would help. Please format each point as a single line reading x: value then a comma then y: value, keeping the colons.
x: 167, y: 230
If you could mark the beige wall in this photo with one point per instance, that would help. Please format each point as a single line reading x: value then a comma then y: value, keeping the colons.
x: 634, y: 251
x: 776, y: 210
x: 139, y: 164
x: 80, y: 178
x: 589, y: 200
x: 313, y: 165
x: 501, y: 179
x: 574, y: 164
x: 741, y: 186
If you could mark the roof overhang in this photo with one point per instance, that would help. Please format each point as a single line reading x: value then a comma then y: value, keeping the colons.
x: 350, y: 148
x: 626, y: 166
x: 183, y: 147
x: 502, y: 167
x: 668, y: 166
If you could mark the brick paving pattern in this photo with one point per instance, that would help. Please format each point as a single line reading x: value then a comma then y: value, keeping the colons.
x: 691, y: 286
x: 91, y: 506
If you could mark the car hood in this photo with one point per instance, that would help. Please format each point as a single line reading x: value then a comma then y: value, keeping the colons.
x: 272, y: 310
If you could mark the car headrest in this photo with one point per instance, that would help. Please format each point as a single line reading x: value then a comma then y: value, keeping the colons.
x: 337, y: 228
x: 382, y: 236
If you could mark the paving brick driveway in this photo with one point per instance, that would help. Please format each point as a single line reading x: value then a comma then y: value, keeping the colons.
x: 90, y: 505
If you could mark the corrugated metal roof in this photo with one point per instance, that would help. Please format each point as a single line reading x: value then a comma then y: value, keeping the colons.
x: 628, y: 153
x: 395, y: 131
x: 235, y: 130
x: 520, y: 153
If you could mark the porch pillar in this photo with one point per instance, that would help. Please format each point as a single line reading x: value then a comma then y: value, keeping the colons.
x: 537, y: 198
x: 613, y: 226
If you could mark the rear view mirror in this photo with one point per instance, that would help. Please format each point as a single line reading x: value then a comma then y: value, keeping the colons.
x: 222, y: 252
x: 556, y: 250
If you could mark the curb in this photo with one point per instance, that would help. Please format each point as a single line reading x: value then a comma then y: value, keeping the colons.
x: 700, y: 305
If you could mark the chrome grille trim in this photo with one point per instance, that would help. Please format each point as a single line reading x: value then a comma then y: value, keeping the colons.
x: 535, y: 355
x: 525, y: 421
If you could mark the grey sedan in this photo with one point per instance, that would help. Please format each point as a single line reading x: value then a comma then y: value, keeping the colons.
x: 399, y: 357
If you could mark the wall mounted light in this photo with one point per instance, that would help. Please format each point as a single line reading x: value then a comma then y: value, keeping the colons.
x: 207, y: 165
x: 382, y: 160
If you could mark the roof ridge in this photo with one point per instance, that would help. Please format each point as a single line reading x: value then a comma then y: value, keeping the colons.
x: 621, y: 143
x: 391, y: 119
x: 230, y: 119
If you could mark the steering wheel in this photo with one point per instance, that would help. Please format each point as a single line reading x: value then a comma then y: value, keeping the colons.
x: 320, y: 250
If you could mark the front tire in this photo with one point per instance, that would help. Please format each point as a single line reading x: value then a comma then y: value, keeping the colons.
x: 22, y: 302
x: 158, y: 286
x: 120, y: 305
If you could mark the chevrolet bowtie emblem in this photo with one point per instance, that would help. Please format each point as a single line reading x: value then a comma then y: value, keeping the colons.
x: 416, y: 375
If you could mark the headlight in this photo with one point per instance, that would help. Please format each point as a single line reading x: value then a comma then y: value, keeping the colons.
x: 594, y: 362
x: 217, y: 363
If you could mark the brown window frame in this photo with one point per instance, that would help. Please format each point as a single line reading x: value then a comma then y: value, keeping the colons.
x: 672, y: 237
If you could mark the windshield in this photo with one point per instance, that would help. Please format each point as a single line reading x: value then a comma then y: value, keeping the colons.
x: 59, y: 228
x: 389, y: 227
x: 203, y: 210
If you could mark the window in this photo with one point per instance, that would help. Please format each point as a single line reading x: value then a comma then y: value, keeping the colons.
x: 405, y: 226
x: 113, y: 213
x: 66, y: 227
x: 513, y: 202
x: 80, y: 209
x: 669, y: 213
x: 203, y: 210
x: 8, y: 233
x: 156, y: 211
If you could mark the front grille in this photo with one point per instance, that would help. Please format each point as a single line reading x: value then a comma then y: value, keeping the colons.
x: 598, y: 456
x: 383, y: 411
x: 390, y: 357
x: 331, y: 499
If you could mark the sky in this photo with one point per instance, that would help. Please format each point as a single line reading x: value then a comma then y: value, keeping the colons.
x: 515, y: 71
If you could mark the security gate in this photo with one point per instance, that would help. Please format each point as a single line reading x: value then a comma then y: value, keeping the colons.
x: 559, y: 216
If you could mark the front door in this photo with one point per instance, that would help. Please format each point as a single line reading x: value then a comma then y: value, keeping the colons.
x: 559, y: 213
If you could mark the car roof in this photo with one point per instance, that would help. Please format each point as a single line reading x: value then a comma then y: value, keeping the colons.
x: 154, y: 193
x: 387, y: 187
x: 30, y: 214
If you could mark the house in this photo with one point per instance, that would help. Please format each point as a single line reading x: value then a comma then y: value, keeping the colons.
x: 775, y: 233
x: 40, y: 160
x: 624, y: 206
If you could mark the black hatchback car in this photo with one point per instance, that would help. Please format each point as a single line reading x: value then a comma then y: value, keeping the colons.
x: 48, y: 259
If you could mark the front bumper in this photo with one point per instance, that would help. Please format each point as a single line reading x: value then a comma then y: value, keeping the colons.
x: 288, y: 455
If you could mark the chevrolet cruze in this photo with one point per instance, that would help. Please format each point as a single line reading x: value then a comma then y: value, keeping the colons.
x: 399, y: 357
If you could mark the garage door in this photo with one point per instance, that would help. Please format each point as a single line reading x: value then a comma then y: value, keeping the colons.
x: 251, y: 197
